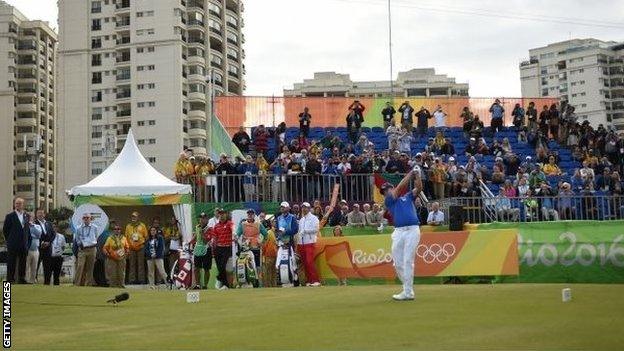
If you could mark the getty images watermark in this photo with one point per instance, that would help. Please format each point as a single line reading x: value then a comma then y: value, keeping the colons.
x: 6, y: 315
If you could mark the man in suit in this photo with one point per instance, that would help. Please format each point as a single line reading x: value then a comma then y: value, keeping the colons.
x: 17, y: 235
x: 45, y: 247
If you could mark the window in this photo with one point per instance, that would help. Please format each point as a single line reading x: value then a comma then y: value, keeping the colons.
x: 151, y: 67
x: 151, y: 141
x: 96, y: 43
x: 141, y: 141
x: 153, y: 103
x: 96, y: 96
x: 151, y: 86
x: 152, y: 122
x: 96, y: 60
x: 96, y: 77
x: 96, y: 24
x: 139, y: 68
x: 151, y: 159
x: 139, y: 14
x: 140, y: 104
x: 96, y: 6
x: 139, y: 50
x: 96, y: 153
x: 150, y: 49
x: 140, y: 123
x: 96, y: 114
x: 232, y: 54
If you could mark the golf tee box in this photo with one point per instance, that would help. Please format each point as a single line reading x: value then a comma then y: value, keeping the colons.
x: 566, y: 295
x: 192, y: 297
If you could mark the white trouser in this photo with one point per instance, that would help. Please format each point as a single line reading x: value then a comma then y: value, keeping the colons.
x: 158, y: 265
x: 31, y: 266
x: 404, y: 243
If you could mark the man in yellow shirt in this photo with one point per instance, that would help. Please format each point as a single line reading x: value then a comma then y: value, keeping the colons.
x: 136, y: 234
x: 116, y: 250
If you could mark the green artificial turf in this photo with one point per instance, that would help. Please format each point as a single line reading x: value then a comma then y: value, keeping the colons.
x: 443, y: 317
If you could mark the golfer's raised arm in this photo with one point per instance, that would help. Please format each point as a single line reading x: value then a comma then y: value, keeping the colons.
x: 417, y: 184
x: 403, y: 184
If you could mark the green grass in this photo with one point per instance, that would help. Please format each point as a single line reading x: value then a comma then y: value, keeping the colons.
x: 443, y: 317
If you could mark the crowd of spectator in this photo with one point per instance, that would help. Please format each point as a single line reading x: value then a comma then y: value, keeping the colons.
x: 305, y: 168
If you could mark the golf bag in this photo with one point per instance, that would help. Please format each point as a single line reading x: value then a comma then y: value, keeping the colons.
x: 246, y: 272
x: 286, y: 265
x: 182, y: 270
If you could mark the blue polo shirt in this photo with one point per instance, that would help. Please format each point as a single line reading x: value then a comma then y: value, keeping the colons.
x: 402, y: 209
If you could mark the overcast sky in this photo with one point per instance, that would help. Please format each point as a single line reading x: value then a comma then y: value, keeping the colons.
x: 289, y: 40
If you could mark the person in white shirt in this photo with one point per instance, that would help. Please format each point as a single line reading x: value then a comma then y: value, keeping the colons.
x: 56, y: 254
x: 435, y: 217
x: 85, y: 238
x: 308, y: 231
x: 439, y: 117
x: 214, y: 220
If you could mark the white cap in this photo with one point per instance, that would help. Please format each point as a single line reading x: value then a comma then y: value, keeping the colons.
x: 306, y: 204
x: 285, y: 204
x: 451, y: 159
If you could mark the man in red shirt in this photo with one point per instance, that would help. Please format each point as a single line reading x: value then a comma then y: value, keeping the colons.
x: 222, y: 235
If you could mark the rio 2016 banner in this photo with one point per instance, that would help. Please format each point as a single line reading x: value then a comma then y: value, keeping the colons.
x: 480, y: 252
x: 570, y: 251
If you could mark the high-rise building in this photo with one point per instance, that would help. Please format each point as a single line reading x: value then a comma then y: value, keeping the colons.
x: 27, y: 110
x: 143, y: 64
x: 416, y: 82
x: 588, y: 73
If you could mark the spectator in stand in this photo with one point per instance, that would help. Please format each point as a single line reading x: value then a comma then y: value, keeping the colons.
x: 225, y: 183
x: 518, y: 117
x: 374, y: 217
x: 222, y: 235
x: 477, y: 127
x: 497, y: 149
x: 531, y: 114
x: 395, y: 165
x: 261, y: 139
x: 435, y: 217
x: 506, y: 146
x: 536, y: 177
x: 304, y: 121
x: 242, y: 140
x: 586, y: 172
x: 438, y: 141
x: 508, y: 189
x: 438, y: 178
x: 547, y: 204
x: 471, y: 148
x: 551, y: 168
x: 482, y: 147
x: 467, y: 118
x: 498, y: 172
x: 506, y: 213
x: 388, y: 115
x: 280, y: 136
x: 356, y: 218
x: 405, y: 140
x: 422, y: 118
x: 421, y: 210
x: 498, y: 113
x: 531, y: 206
x: 250, y: 170
x: 566, y: 209
x: 440, y: 119
x: 543, y: 120
x: 447, y: 148
x: 553, y: 122
x: 407, y: 119
x: 393, y: 132
x: 296, y: 211
x: 523, y: 187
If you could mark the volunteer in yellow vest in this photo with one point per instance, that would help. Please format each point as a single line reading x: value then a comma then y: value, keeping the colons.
x: 171, y: 233
x: 254, y: 233
x: 116, y: 249
x: 136, y: 234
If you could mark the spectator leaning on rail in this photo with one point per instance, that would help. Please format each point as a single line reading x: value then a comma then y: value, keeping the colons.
x: 242, y: 140
x: 136, y: 233
x: 307, y: 234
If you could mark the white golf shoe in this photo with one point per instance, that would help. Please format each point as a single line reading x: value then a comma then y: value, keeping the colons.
x: 403, y: 297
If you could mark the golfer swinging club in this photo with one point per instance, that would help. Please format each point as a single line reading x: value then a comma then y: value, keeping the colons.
x: 406, y: 233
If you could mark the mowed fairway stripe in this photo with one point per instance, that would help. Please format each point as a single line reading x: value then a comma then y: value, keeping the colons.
x: 481, y: 317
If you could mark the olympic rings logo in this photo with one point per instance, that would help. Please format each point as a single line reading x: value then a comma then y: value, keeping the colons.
x: 436, y: 252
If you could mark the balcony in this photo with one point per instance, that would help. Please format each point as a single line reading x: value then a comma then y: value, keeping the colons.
x: 197, y: 132
x: 197, y: 115
x: 31, y: 107
x: 124, y: 58
x: 124, y: 113
x: 123, y: 40
x: 122, y: 6
x: 198, y: 96
x: 196, y: 77
x: 196, y: 25
x: 196, y: 60
x: 196, y: 41
x: 123, y: 95
x: 122, y: 23
x: 26, y: 122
